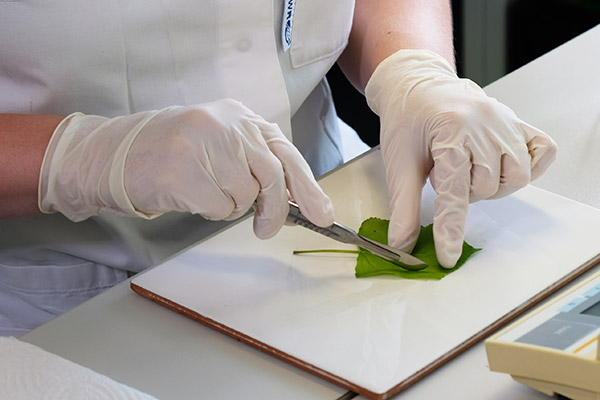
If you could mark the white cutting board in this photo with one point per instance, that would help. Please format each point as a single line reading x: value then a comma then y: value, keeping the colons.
x: 376, y: 336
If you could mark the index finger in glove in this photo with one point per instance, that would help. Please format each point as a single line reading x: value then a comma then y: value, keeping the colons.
x: 272, y: 207
x: 300, y: 182
x: 450, y: 177
x: 405, y: 184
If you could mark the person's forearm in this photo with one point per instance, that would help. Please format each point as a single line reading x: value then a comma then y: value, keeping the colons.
x: 382, y: 27
x: 23, y: 142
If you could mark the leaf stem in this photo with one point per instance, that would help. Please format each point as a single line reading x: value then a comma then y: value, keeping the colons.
x: 325, y: 251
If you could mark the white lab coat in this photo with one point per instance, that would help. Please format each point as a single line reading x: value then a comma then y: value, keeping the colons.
x: 117, y: 57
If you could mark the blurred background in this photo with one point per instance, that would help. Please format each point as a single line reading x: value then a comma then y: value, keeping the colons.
x: 492, y: 38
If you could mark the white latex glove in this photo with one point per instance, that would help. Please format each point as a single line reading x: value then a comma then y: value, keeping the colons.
x: 212, y: 159
x: 471, y: 147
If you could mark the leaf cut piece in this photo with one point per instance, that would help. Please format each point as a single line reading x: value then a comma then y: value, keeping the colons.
x: 368, y: 264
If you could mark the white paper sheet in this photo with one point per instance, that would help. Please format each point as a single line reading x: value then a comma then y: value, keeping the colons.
x: 377, y: 332
x: 28, y: 372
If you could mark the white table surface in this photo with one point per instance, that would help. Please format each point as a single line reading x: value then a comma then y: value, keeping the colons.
x: 139, y: 343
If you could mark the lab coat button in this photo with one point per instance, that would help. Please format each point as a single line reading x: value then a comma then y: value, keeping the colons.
x: 243, y: 45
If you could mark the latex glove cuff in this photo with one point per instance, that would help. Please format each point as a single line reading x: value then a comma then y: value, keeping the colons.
x: 77, y: 189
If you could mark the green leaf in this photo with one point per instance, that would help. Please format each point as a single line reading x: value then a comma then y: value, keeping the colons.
x: 368, y: 264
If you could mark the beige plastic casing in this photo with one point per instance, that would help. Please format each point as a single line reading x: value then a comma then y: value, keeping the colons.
x: 547, y: 370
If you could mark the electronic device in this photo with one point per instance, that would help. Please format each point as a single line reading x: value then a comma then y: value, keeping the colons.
x: 554, y: 349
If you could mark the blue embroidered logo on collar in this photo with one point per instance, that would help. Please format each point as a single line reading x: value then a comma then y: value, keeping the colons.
x: 286, y: 25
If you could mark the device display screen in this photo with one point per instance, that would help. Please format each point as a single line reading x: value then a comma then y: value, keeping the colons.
x: 593, y: 310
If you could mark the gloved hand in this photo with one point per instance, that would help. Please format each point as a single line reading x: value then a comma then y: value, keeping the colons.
x: 471, y: 147
x: 212, y: 159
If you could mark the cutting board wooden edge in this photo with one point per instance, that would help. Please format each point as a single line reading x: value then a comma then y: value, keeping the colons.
x: 440, y: 361
x: 272, y: 351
